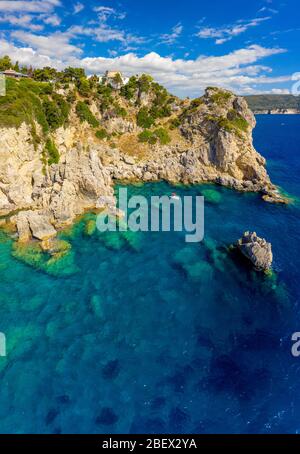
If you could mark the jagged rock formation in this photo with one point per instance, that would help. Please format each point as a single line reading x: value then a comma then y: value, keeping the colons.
x: 257, y: 250
x: 209, y: 139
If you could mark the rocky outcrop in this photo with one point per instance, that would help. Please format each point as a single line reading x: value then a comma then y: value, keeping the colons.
x: 210, y: 145
x: 257, y: 250
x: 34, y: 224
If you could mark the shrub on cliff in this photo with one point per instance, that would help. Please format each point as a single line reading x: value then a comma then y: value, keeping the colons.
x: 162, y: 136
x: 101, y: 134
x: 175, y: 123
x: 129, y: 90
x: 120, y: 111
x: 84, y: 114
x: 56, y: 111
x: 220, y: 97
x: 144, y: 83
x: 151, y: 137
x: 51, y: 153
x: 84, y: 88
x: 144, y: 119
x: 147, y: 137
x: 21, y: 104
x: 238, y: 121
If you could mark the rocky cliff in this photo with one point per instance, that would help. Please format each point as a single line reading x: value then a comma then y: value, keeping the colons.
x: 48, y: 177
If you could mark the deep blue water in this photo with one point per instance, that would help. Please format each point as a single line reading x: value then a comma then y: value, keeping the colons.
x: 150, y: 334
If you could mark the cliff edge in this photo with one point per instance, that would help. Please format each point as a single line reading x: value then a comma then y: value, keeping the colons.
x: 62, y: 147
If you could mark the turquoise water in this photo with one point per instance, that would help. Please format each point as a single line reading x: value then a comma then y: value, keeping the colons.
x: 144, y: 333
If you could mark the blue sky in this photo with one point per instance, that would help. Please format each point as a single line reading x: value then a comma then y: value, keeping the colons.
x: 247, y: 46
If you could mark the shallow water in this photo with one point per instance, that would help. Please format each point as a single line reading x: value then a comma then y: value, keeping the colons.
x: 145, y: 333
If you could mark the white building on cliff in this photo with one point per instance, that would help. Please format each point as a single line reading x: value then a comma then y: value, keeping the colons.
x: 115, y: 78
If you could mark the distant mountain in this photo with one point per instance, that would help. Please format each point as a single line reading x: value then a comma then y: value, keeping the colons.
x: 274, y: 103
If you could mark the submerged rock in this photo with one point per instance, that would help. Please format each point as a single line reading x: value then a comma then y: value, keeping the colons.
x: 275, y: 197
x: 54, y: 257
x: 211, y: 196
x: 257, y: 250
x: 90, y: 227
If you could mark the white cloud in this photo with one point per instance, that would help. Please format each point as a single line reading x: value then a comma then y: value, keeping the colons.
x: 44, y: 6
x: 265, y: 9
x: 101, y: 31
x: 56, y: 45
x: 26, y: 14
x: 170, y: 38
x: 52, y: 19
x: 239, y: 71
x: 104, y: 33
x: 78, y: 7
x: 105, y: 12
x: 280, y: 91
x: 23, y: 21
x: 223, y: 34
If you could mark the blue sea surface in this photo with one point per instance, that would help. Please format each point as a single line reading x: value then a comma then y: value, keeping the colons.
x: 144, y: 333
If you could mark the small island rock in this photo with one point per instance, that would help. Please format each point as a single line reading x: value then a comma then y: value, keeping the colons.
x: 257, y: 250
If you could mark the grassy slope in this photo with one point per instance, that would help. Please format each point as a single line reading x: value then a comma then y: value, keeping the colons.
x: 22, y: 103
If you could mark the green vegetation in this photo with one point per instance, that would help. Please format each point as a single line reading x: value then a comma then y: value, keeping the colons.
x: 50, y: 153
x: 160, y: 106
x: 45, y: 74
x: 175, y: 123
x: 101, y: 134
x: 192, y: 108
x: 6, y: 63
x: 129, y: 90
x: 72, y: 75
x: 119, y: 110
x: 144, y: 118
x: 84, y: 114
x: 234, y: 122
x: 105, y: 93
x: 36, y: 140
x: 238, y: 121
x: 151, y: 137
x: 195, y: 103
x: 147, y: 137
x: 220, y: 97
x: 84, y: 88
x: 56, y: 111
x: 22, y: 104
x: 162, y: 136
x: 118, y: 79
x: 71, y: 97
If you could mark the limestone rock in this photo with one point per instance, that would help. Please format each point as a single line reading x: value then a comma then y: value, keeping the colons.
x: 257, y: 250
x: 33, y: 223
x: 205, y: 150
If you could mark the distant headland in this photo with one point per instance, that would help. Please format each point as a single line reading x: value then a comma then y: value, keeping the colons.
x: 274, y: 104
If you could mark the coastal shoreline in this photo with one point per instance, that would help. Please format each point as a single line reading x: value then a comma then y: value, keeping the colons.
x: 277, y: 112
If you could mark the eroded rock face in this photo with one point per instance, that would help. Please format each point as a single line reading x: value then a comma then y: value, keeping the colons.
x: 207, y: 149
x: 34, y: 224
x: 257, y: 250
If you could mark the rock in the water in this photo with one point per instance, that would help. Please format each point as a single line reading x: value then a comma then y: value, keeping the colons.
x: 257, y: 250
x: 275, y: 197
x: 33, y: 223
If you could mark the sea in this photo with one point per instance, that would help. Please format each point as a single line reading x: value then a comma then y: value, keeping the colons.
x: 145, y: 333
